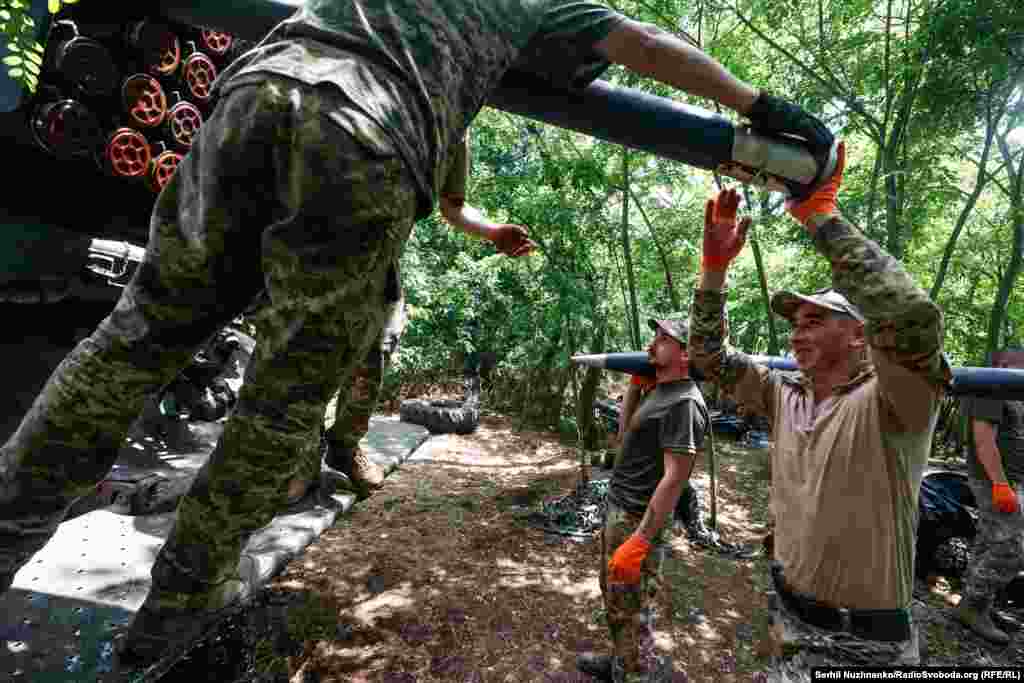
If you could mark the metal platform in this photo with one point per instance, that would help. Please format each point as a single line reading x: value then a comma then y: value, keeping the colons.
x: 58, y: 620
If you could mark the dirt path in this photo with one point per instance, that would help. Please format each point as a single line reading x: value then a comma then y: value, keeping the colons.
x: 439, y: 577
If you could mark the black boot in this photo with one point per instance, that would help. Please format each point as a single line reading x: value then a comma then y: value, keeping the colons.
x: 598, y: 666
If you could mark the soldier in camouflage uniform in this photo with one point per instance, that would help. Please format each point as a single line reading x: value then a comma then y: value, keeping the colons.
x: 661, y: 443
x: 995, y: 460
x: 327, y: 141
x: 852, y: 428
x: 346, y: 423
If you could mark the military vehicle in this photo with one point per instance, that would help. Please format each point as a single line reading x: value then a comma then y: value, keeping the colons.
x: 121, y: 94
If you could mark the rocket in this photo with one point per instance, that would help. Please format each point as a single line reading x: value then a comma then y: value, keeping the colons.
x: 998, y: 383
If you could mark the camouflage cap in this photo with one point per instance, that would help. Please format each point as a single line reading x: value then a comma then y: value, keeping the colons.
x: 675, y: 325
x: 786, y: 303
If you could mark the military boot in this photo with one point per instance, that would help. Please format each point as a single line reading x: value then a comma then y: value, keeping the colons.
x: 365, y: 475
x: 975, y: 614
x: 598, y: 666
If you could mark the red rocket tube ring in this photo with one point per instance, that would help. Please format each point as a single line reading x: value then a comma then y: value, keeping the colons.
x: 144, y: 100
x: 127, y: 153
x: 215, y: 42
x: 161, y: 168
x: 199, y: 74
x: 184, y: 121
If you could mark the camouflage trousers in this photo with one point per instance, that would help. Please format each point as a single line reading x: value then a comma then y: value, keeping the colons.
x: 797, y: 647
x: 275, y: 201
x: 347, y: 422
x: 998, y: 551
x: 628, y: 608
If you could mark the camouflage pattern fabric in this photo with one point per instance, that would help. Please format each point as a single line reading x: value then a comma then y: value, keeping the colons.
x: 630, y: 617
x: 797, y: 646
x: 998, y: 550
x: 272, y: 197
x: 346, y: 423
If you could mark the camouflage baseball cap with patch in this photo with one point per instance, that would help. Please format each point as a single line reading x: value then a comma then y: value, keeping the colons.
x: 786, y: 303
x: 675, y: 325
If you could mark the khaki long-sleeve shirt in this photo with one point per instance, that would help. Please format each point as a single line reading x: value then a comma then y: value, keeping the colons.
x: 845, y: 472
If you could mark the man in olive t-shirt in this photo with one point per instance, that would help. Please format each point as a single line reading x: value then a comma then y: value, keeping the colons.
x: 995, y: 460
x: 660, y: 445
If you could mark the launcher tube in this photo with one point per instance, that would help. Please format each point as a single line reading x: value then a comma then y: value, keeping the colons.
x: 998, y: 383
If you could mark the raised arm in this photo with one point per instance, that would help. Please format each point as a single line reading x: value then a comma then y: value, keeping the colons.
x: 650, y: 51
x: 903, y: 325
x: 736, y: 373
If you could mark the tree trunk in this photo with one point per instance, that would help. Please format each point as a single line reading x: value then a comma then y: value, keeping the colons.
x: 670, y: 288
x: 980, y: 181
x: 762, y: 279
x: 630, y: 280
x: 773, y: 335
x: 588, y: 392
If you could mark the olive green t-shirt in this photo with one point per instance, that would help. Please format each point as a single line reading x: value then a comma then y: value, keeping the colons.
x: 1008, y: 419
x: 673, y: 417
x: 417, y: 72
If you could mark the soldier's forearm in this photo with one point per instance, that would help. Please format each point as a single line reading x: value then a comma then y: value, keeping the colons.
x: 988, y: 452
x: 874, y: 281
x: 466, y: 218
x: 663, y: 502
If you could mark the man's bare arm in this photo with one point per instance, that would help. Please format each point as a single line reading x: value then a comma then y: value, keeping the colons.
x: 651, y: 51
x: 666, y: 495
x: 988, y: 452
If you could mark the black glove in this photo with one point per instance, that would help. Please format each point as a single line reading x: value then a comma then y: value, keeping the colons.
x: 774, y: 116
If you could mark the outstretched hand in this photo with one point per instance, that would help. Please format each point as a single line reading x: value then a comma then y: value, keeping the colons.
x: 723, y: 237
x: 512, y: 240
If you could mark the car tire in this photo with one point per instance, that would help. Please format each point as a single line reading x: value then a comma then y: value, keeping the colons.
x: 442, y: 416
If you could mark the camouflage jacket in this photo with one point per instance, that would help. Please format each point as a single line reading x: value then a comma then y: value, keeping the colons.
x: 845, y: 471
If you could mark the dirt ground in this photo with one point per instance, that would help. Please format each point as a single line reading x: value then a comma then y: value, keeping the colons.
x: 440, y: 577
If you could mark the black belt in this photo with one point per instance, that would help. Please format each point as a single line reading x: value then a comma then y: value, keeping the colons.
x: 889, y: 625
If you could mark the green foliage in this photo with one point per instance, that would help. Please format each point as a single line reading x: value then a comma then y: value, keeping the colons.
x: 24, y: 54
x: 859, y: 64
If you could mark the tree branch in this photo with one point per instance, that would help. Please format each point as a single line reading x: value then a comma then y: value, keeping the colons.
x: 835, y: 88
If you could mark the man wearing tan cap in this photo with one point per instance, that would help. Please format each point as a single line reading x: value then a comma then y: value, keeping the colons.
x: 661, y: 443
x: 852, y: 431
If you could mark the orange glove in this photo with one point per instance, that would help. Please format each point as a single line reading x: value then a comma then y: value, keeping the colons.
x: 1004, y: 498
x: 822, y: 200
x: 723, y: 239
x: 624, y: 567
x: 511, y: 240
